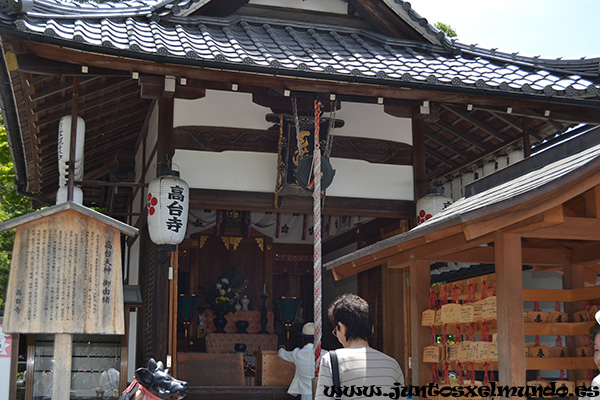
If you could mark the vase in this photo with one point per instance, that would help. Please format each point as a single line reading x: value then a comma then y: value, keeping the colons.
x: 242, y: 326
x: 245, y: 301
x: 220, y: 322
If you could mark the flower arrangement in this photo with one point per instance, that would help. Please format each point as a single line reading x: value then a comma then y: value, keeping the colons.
x: 222, y: 298
x: 224, y: 295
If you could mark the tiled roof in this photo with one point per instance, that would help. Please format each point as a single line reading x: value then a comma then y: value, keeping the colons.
x: 142, y: 29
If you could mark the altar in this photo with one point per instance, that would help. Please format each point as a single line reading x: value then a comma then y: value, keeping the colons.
x: 254, y: 341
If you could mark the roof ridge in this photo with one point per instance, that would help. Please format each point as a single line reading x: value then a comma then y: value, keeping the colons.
x: 536, y: 62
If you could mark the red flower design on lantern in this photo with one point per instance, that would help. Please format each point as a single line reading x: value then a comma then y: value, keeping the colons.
x: 423, y: 217
x: 152, y: 201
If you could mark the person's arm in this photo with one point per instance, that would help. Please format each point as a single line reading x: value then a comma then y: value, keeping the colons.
x: 287, y: 355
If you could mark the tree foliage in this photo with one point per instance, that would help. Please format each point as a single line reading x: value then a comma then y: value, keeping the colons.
x: 447, y: 29
x: 11, y: 205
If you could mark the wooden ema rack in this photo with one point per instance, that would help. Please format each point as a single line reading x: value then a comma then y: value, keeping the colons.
x: 569, y: 329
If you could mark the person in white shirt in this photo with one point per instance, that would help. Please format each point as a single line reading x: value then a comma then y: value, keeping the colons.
x: 359, y: 365
x: 593, y: 391
x: 304, y: 359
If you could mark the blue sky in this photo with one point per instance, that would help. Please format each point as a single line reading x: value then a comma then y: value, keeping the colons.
x: 548, y: 28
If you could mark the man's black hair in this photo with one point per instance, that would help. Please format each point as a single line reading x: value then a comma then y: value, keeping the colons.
x: 354, y: 312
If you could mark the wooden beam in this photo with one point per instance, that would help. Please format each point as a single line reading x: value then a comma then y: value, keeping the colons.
x: 531, y: 256
x: 31, y: 63
x: 513, y: 222
x: 420, y: 335
x: 398, y: 108
x: 509, y: 292
x: 457, y: 132
x: 592, y: 202
x: 559, y: 110
x: 218, y: 139
x: 152, y: 87
x: 571, y: 229
x: 474, y: 121
x: 256, y: 201
x: 384, y: 19
x: 586, y: 255
x: 553, y: 329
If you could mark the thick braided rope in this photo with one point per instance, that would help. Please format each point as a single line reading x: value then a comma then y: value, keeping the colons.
x: 317, y: 239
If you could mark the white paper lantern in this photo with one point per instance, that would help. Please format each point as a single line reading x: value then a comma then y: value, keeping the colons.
x: 432, y: 203
x: 168, y: 204
x: 489, y: 168
x: 515, y: 156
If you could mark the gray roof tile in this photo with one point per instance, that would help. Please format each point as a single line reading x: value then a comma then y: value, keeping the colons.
x: 301, y: 46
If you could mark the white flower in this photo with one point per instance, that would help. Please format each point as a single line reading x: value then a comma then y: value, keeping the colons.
x: 222, y: 292
x: 225, y: 280
x: 219, y: 286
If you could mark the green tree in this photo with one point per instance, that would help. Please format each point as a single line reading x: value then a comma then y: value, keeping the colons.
x: 447, y: 29
x: 11, y: 205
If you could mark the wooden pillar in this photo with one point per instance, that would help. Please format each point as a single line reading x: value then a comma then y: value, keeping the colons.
x: 173, y: 304
x: 162, y: 284
x: 166, y: 106
x: 526, y: 140
x: 419, y: 169
x: 574, y: 278
x: 63, y: 351
x: 420, y: 336
x: 396, y: 315
x: 509, y: 296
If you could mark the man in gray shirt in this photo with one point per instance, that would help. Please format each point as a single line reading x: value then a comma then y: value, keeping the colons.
x: 365, y: 373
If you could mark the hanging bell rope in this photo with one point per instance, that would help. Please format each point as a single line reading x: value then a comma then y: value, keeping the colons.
x: 317, y: 239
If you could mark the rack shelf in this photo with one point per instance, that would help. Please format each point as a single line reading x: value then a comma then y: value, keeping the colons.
x: 560, y: 363
x: 563, y: 328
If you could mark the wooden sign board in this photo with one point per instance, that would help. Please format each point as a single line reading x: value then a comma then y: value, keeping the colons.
x: 65, y: 275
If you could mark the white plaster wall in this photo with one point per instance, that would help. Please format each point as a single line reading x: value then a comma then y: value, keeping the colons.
x: 230, y: 170
x: 219, y: 108
x: 233, y: 170
x: 332, y: 6
x: 370, y: 121
x: 357, y: 178
x: 245, y: 171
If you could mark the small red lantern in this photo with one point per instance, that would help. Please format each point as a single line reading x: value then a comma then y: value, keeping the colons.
x: 168, y: 205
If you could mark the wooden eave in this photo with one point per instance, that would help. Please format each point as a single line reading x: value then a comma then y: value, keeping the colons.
x: 116, y: 106
x: 558, y: 224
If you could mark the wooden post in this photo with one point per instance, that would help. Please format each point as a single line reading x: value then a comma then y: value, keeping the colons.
x: 509, y: 297
x: 72, y: 150
x: 526, y: 140
x: 574, y: 278
x: 420, y: 278
x: 61, y: 378
x: 419, y: 169
x: 396, y: 315
x: 173, y: 298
